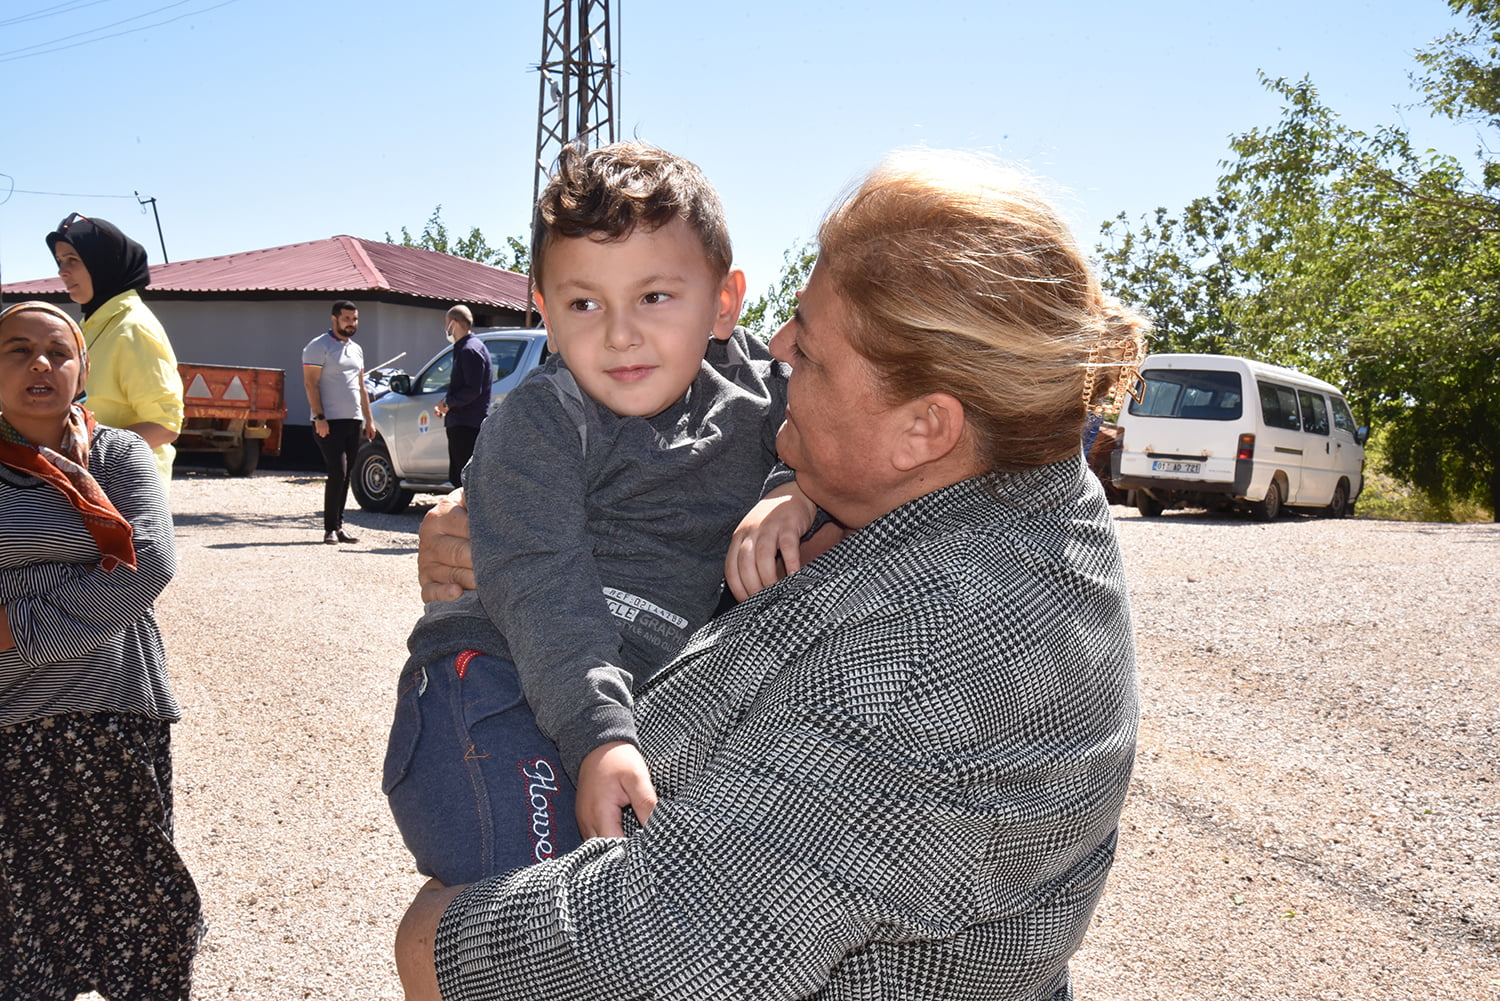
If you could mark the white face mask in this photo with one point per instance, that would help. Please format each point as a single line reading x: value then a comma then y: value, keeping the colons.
x: 448, y: 332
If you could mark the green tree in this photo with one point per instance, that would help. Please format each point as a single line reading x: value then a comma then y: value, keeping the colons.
x: 1354, y: 256
x: 516, y: 256
x: 1376, y: 263
x: 765, y: 315
x: 1182, y: 272
x: 1462, y: 78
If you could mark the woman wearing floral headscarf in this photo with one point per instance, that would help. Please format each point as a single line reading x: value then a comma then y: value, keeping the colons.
x: 134, y: 383
x: 93, y: 895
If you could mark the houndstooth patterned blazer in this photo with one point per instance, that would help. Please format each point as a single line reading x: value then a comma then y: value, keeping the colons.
x: 897, y: 774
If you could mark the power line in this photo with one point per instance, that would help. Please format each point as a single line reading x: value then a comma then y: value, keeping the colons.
x: 64, y: 194
x: 90, y: 31
x: 62, y: 8
x: 61, y: 194
x: 23, y: 52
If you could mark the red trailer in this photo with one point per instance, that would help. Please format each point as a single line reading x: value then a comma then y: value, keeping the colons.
x: 234, y: 410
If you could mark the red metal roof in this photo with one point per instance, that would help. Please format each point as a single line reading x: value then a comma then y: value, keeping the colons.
x: 344, y: 264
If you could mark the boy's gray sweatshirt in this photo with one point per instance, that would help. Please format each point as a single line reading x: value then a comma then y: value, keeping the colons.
x: 599, y: 540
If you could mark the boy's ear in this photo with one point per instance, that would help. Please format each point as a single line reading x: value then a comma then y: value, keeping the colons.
x: 541, y: 308
x: 934, y: 429
x: 731, y: 303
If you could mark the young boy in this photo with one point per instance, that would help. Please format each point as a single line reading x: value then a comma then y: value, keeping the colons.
x: 602, y: 495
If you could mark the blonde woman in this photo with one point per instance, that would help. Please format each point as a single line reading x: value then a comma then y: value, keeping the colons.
x: 898, y: 771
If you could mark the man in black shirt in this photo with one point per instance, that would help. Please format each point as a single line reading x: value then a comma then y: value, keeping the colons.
x: 468, y: 399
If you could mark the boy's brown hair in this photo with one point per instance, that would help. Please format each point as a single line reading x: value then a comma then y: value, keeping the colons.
x: 607, y: 192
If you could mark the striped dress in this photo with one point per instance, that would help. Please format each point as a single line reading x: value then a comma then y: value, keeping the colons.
x: 93, y: 895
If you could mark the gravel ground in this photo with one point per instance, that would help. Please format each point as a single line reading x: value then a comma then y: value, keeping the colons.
x: 1314, y: 812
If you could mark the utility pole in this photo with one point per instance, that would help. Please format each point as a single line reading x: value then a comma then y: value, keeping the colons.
x: 163, y: 239
x: 579, y: 85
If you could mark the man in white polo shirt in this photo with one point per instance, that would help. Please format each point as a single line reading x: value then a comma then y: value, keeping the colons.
x: 333, y: 373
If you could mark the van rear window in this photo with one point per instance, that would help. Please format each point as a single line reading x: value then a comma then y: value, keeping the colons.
x: 1192, y: 394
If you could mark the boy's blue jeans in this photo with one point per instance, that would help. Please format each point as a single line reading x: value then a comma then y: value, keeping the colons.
x: 475, y: 788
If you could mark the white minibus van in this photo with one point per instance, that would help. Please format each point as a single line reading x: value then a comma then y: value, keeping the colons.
x: 1216, y: 431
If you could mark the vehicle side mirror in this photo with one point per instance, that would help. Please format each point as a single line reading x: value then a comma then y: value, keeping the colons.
x: 401, y: 384
x: 1361, y: 435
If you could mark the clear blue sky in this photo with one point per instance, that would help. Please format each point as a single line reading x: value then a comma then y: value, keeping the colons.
x: 256, y: 123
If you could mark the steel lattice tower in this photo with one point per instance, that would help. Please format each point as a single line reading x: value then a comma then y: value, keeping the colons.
x: 579, y: 85
x: 578, y: 90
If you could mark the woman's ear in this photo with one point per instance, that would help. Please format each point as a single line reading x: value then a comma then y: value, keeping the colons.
x: 933, y: 432
x: 731, y: 303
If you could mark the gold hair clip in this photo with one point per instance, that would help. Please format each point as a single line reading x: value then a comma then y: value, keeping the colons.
x: 1133, y: 352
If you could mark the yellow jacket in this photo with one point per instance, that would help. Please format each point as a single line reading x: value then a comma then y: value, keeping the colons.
x: 133, y: 371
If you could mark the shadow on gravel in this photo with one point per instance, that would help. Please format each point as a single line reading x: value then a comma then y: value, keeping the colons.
x: 341, y: 548
x: 308, y: 529
x: 190, y: 475
x: 356, y: 549
x: 1436, y: 528
x: 237, y: 520
x: 1211, y: 518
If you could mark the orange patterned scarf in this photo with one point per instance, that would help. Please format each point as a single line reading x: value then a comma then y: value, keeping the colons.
x: 68, y: 471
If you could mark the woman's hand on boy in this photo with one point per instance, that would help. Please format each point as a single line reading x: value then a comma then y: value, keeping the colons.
x: 415, y: 939
x: 767, y: 545
x: 445, y: 564
x: 612, y: 777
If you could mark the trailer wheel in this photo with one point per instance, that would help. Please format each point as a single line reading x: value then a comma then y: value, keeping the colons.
x: 375, y: 484
x: 242, y: 459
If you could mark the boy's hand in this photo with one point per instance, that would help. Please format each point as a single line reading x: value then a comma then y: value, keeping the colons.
x: 445, y: 565
x: 770, y: 534
x: 612, y: 777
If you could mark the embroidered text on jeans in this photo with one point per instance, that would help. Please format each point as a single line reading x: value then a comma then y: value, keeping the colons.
x: 541, y: 787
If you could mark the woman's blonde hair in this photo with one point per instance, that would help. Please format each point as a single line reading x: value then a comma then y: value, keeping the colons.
x: 960, y: 278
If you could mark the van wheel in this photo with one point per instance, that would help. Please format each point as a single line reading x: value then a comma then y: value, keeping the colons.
x: 1148, y: 506
x: 1270, y: 507
x: 1339, y: 506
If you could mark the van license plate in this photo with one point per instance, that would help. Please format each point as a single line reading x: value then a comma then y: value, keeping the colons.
x: 1163, y: 466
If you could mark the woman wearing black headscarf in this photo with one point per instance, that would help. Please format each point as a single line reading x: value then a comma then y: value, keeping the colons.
x: 133, y: 382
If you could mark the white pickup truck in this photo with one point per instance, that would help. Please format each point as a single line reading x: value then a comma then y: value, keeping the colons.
x: 409, y: 454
